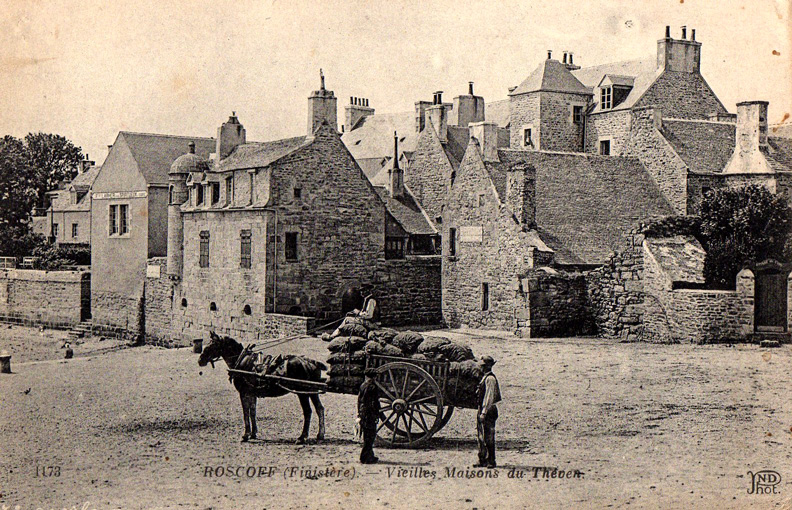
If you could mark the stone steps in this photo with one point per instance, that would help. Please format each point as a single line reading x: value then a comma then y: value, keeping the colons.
x: 81, y: 330
x: 771, y: 338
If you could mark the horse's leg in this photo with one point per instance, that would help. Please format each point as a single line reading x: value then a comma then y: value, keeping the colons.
x: 320, y: 413
x: 245, y: 414
x: 253, y: 428
x: 306, y: 407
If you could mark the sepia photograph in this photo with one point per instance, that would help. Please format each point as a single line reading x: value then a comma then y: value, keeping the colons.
x: 360, y: 254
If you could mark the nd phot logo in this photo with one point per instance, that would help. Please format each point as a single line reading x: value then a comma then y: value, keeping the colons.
x: 764, y: 482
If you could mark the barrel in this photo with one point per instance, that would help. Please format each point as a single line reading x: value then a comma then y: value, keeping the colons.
x: 198, y: 345
x: 5, y: 363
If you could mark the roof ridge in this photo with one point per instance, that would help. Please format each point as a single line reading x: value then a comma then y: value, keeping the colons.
x: 161, y: 135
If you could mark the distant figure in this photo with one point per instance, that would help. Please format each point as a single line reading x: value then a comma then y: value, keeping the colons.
x: 69, y: 351
x: 365, y: 316
x: 368, y: 415
x: 488, y: 395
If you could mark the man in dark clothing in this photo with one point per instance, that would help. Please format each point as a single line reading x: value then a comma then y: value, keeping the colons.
x: 368, y: 414
x: 488, y: 395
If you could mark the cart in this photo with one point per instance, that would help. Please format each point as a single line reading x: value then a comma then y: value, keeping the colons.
x: 415, y: 401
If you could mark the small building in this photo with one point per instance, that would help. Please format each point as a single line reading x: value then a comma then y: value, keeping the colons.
x: 67, y: 217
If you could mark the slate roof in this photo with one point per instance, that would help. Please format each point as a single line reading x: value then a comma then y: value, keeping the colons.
x: 498, y: 112
x: 373, y: 138
x: 260, y: 154
x: 61, y: 198
x: 551, y: 75
x: 585, y: 204
x: 704, y: 146
x: 783, y: 130
x: 456, y: 144
x: 680, y: 257
x: 406, y: 211
x: 85, y: 180
x: 644, y: 72
x: 707, y: 147
x: 154, y: 154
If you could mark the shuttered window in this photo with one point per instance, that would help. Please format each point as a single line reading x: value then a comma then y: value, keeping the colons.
x: 204, y: 249
x: 245, y: 250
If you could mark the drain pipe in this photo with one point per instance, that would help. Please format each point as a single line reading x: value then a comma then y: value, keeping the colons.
x: 275, y: 270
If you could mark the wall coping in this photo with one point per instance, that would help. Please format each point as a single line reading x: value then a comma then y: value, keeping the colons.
x: 38, y: 275
x: 705, y: 291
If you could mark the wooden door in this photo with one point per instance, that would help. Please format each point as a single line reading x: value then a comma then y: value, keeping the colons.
x: 771, y: 301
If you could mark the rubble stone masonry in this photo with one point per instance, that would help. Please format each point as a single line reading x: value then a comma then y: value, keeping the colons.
x: 49, y: 298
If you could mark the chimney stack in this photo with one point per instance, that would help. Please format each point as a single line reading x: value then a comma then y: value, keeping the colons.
x: 570, y: 65
x: 486, y: 134
x: 395, y: 173
x: 565, y: 57
x: 549, y: 54
x: 678, y: 55
x: 467, y: 108
x: 751, y: 139
x: 229, y: 136
x: 322, y: 107
x: 420, y: 115
x: 357, y: 109
x: 692, y: 34
x: 438, y: 116
x: 521, y: 193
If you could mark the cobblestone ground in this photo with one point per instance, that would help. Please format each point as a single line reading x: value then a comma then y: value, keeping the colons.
x: 648, y: 426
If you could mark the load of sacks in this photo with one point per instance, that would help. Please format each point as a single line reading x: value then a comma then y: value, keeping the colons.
x: 347, y: 359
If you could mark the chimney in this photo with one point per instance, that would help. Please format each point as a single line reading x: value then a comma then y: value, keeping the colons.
x: 420, y: 114
x: 357, y: 109
x: 751, y: 139
x: 395, y: 174
x: 322, y: 107
x: 438, y: 116
x: 678, y: 55
x: 571, y: 64
x: 549, y: 54
x: 467, y: 108
x: 486, y: 134
x: 229, y: 136
x: 521, y: 193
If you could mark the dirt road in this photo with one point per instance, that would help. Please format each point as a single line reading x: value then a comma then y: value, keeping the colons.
x: 630, y: 426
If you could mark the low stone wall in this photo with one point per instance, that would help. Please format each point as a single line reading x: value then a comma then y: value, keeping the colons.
x: 48, y: 298
x: 710, y: 316
x: 409, y: 291
x: 556, y: 305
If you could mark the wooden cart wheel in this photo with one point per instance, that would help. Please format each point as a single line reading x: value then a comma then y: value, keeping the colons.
x: 449, y: 411
x: 411, y: 405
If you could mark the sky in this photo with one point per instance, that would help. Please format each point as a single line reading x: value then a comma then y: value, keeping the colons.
x: 88, y: 69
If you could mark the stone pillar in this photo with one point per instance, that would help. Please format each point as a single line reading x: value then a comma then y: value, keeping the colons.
x: 746, y: 292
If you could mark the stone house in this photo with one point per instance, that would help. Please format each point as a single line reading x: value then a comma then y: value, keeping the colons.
x: 67, y: 218
x: 129, y: 222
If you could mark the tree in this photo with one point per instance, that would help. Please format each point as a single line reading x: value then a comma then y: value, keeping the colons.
x: 55, y: 158
x: 740, y: 226
x: 18, y: 180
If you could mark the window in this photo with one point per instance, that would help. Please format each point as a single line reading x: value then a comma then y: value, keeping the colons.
x: 113, y: 220
x: 528, y: 137
x: 394, y: 247
x: 297, y: 193
x: 229, y: 190
x: 577, y: 114
x: 75, y: 230
x: 604, y: 147
x: 606, y: 98
x: 123, y: 219
x: 247, y: 310
x: 170, y: 194
x: 54, y: 230
x: 484, y: 296
x: 481, y: 199
x: 204, y: 249
x: 244, y: 260
x: 118, y: 219
x: 291, y: 246
x: 199, y: 194
x: 452, y: 242
x: 212, y: 306
x: 251, y: 188
x: 215, y: 192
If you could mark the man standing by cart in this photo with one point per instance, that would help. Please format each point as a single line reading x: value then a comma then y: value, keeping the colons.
x: 488, y: 395
x: 368, y: 414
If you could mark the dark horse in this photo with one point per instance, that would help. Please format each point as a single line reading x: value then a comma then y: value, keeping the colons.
x: 251, y: 387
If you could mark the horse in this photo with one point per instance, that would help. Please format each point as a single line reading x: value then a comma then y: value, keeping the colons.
x: 251, y: 387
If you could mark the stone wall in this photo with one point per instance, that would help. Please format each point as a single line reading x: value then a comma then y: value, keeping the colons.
x: 657, y: 155
x: 524, y: 110
x: 429, y: 173
x: 616, y: 295
x: 409, y: 291
x: 611, y: 125
x: 711, y: 316
x: 558, y: 131
x: 557, y: 305
x: 682, y: 95
x: 49, y: 298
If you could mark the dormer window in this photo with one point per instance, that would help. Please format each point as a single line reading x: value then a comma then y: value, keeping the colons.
x: 199, y: 194
x: 606, y: 98
x: 215, y: 192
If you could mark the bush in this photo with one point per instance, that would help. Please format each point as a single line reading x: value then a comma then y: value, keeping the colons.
x: 53, y: 257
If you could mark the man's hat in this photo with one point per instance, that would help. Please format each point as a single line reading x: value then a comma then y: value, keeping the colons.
x: 487, y: 360
x: 370, y: 372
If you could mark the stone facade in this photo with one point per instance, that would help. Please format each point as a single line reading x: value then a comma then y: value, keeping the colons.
x: 56, y: 299
x: 408, y: 291
x: 682, y: 95
x: 556, y: 304
x: 429, y: 173
x: 613, y: 126
x: 658, y: 157
x: 525, y: 111
x: 558, y: 131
